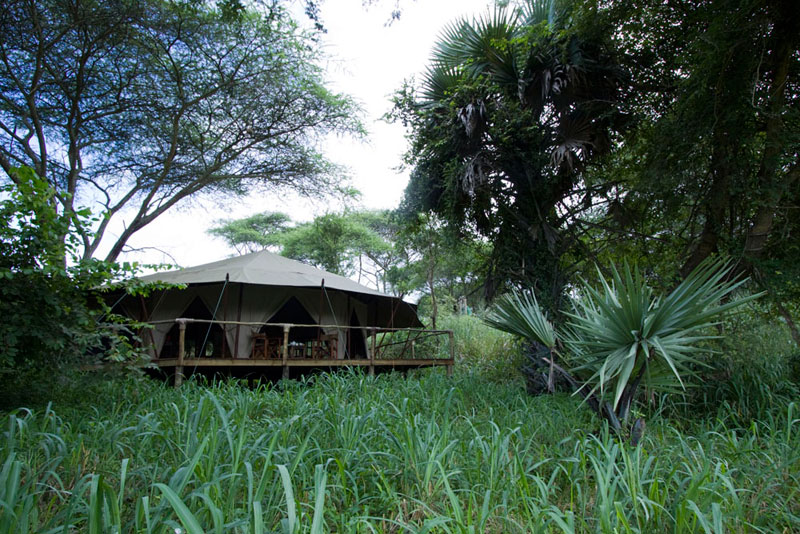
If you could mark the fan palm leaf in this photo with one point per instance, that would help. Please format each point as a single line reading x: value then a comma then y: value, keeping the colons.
x: 623, y: 331
x: 521, y: 315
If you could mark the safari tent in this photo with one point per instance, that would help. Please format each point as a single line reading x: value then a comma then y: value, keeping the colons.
x: 241, y: 308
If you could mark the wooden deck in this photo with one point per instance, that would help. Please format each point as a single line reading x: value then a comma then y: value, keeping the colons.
x: 270, y: 356
x: 248, y: 363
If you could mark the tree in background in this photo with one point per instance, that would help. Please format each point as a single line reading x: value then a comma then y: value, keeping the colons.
x: 513, y: 108
x: 712, y: 166
x: 376, y: 248
x: 141, y: 105
x: 334, y: 242
x: 438, y: 262
x: 355, y: 244
x: 257, y: 232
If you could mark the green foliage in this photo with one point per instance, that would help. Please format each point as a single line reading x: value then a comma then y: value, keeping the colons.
x: 521, y: 315
x: 442, y: 263
x: 42, y: 305
x: 625, y: 335
x: 351, y: 243
x: 711, y: 166
x: 481, y: 350
x: 755, y: 366
x: 137, y: 106
x: 253, y: 233
x: 334, y: 242
x: 513, y: 107
x: 621, y: 337
x: 346, y: 453
x: 377, y: 248
x: 52, y: 315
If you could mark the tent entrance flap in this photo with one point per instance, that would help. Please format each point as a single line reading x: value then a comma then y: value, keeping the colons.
x: 292, y: 312
x: 196, y: 334
x: 356, y: 339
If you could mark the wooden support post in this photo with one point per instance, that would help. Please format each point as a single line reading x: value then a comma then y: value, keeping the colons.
x: 181, y: 353
x: 225, y: 316
x: 413, y: 346
x: 452, y: 339
x: 372, y: 353
x: 238, y: 320
x: 285, y: 355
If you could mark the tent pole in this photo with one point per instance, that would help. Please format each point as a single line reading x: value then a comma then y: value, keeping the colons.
x: 181, y: 350
x: 238, y: 320
x: 214, y: 318
x: 285, y: 355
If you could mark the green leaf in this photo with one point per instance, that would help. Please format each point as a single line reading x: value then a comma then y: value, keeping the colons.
x: 187, y: 518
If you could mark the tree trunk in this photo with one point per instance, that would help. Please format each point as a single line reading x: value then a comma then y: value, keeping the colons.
x: 434, y: 305
x: 789, y: 322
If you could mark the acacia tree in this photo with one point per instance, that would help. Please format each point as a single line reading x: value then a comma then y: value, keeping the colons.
x: 376, y: 248
x: 140, y: 105
x: 256, y: 232
x: 434, y: 259
x: 349, y: 243
x: 513, y: 108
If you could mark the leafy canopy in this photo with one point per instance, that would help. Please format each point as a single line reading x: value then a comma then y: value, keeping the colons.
x: 51, y: 314
x: 513, y: 107
x: 134, y: 107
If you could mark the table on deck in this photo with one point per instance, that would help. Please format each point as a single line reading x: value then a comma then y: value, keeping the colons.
x: 271, y: 348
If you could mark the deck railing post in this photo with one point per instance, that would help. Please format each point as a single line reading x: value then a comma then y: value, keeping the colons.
x: 372, y: 352
x: 181, y: 353
x: 452, y: 339
x: 285, y: 354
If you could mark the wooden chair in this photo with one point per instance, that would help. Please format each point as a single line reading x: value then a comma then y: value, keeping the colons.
x: 327, y: 348
x: 266, y: 348
x: 259, y: 351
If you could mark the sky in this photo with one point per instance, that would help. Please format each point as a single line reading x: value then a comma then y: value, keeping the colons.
x: 368, y: 60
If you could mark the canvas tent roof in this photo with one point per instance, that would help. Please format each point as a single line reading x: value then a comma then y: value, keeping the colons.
x: 261, y: 268
x: 267, y: 269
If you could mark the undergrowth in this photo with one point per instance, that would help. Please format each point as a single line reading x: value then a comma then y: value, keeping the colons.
x: 349, y: 453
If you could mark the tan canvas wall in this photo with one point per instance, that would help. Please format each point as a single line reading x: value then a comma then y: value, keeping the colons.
x: 258, y: 305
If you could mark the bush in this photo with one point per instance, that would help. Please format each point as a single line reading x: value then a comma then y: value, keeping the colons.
x: 622, y: 338
x: 51, y: 314
x: 752, y: 371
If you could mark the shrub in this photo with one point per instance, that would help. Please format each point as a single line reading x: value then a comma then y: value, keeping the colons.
x: 51, y: 314
x: 622, y: 336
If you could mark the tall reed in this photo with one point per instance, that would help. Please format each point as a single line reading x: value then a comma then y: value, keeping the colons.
x: 349, y: 453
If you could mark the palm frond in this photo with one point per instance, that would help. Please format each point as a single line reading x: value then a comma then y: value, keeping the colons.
x: 521, y: 315
x: 535, y: 12
x: 438, y: 83
x: 622, y: 330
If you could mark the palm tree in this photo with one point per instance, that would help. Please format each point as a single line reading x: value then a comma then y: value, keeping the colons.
x: 512, y: 107
x: 521, y: 54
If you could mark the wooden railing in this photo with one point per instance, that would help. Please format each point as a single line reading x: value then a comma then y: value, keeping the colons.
x: 384, y: 345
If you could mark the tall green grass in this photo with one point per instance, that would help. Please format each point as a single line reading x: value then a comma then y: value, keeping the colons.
x: 348, y: 453
x: 483, y: 350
